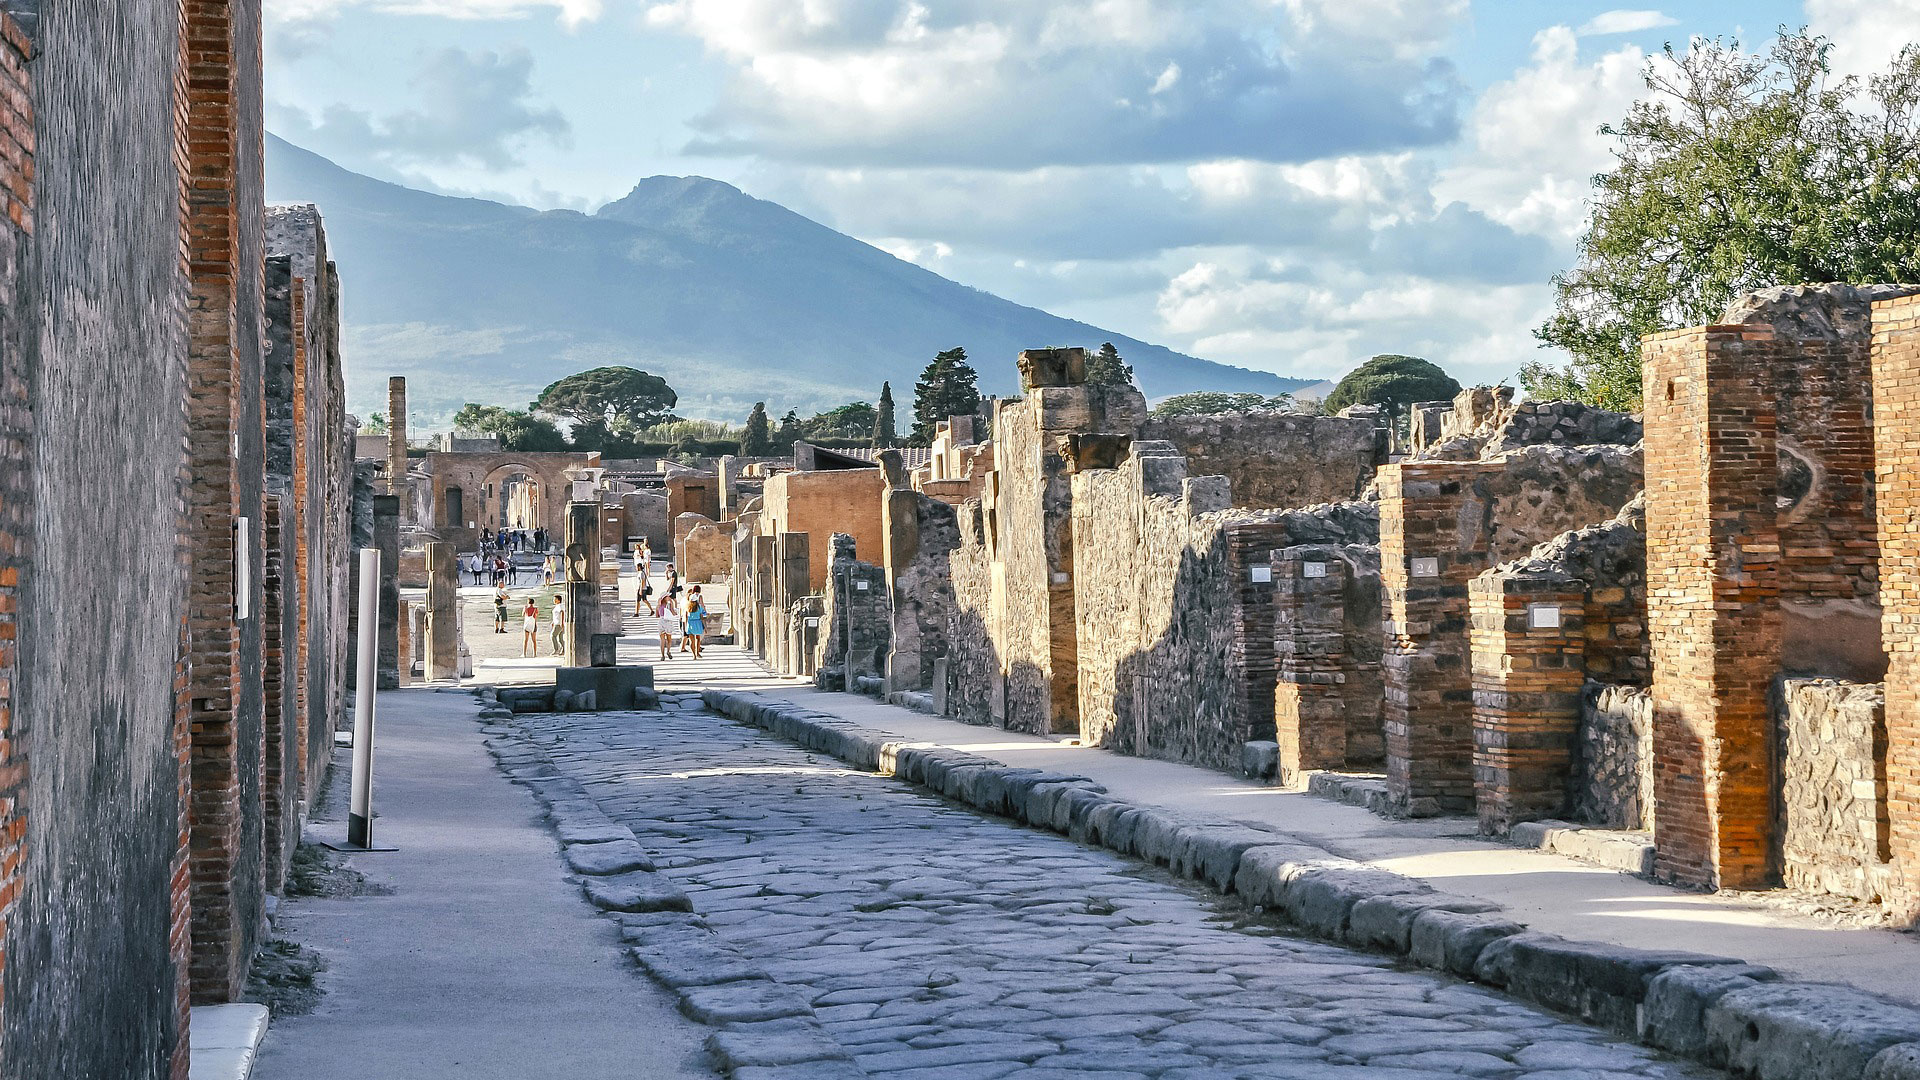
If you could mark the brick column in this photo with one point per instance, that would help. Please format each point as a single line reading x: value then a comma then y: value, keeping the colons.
x: 443, y: 614
x: 1310, y: 648
x: 583, y: 580
x: 16, y: 480
x: 1527, y: 638
x: 1430, y: 548
x: 1713, y: 551
x: 1896, y: 412
x: 386, y: 537
x: 1250, y: 656
x: 281, y: 751
x: 397, y: 438
x: 762, y: 596
x: 790, y: 581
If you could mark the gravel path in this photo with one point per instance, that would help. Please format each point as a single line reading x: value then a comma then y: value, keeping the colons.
x: 933, y: 942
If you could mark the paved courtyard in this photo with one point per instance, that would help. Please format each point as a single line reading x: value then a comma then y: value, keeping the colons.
x: 934, y: 942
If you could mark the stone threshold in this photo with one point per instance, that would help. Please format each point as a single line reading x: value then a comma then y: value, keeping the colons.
x: 223, y: 1040
x: 1718, y: 1010
x: 1615, y: 849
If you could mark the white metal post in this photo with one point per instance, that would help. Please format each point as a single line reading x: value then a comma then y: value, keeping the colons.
x: 360, y: 809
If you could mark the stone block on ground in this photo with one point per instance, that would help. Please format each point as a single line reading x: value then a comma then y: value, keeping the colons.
x: 609, y: 684
x: 685, y: 963
x: 745, y: 1047
x: 1386, y: 921
x: 1600, y: 983
x: 1804, y: 1031
x: 608, y: 857
x: 1674, y: 1015
x: 741, y: 1002
x: 1895, y: 1063
x: 1260, y: 760
x: 638, y: 890
x: 1452, y: 941
x: 587, y: 829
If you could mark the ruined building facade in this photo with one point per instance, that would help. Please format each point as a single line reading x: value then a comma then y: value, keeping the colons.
x: 173, y: 528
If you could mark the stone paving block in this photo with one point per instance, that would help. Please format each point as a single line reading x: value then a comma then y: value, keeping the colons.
x: 1895, y: 1063
x: 1804, y: 1031
x: 1386, y: 921
x: 808, y: 1070
x: 609, y: 857
x: 638, y: 890
x: 582, y: 829
x: 1262, y: 873
x: 749, y: 1045
x: 741, y: 1002
x: 1451, y: 941
x: 1600, y: 983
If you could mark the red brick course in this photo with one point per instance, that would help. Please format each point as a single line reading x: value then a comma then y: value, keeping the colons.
x: 1896, y: 410
x: 1527, y: 636
x: 16, y: 482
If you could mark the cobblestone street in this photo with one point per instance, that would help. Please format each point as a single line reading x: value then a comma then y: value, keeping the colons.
x: 931, y: 941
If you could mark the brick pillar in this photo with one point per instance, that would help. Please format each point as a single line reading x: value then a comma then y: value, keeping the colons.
x: 1310, y: 648
x: 1896, y: 411
x: 1713, y: 550
x: 762, y: 596
x: 280, y: 751
x: 443, y: 614
x: 1250, y: 655
x: 790, y: 581
x: 1431, y: 546
x: 16, y: 480
x: 397, y: 438
x: 386, y: 537
x: 404, y: 632
x: 1527, y: 639
x: 583, y: 580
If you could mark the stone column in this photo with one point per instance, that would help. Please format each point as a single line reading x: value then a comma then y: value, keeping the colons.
x: 386, y: 537
x: 443, y: 614
x: 397, y: 437
x: 1896, y: 412
x: 1528, y: 638
x: 1713, y: 564
x: 583, y: 581
x: 763, y: 563
x: 1310, y: 648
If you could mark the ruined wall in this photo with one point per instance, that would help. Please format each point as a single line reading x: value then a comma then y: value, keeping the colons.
x: 1328, y: 691
x: 922, y: 534
x: 1834, y: 828
x: 1612, y: 777
x: 854, y: 641
x: 822, y: 503
x: 706, y: 553
x: 974, y: 633
x: 646, y: 515
x: 1896, y: 408
x: 1274, y: 459
x: 89, y: 980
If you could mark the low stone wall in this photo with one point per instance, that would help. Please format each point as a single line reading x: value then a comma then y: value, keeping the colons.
x: 1833, y: 794
x: 854, y: 628
x: 1274, y: 459
x: 1612, y: 782
x: 706, y: 553
x: 977, y: 694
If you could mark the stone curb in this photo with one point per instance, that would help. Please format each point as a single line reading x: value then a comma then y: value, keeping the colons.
x: 1712, y: 1009
x: 764, y: 1029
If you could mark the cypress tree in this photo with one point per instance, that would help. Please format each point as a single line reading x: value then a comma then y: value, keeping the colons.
x: 757, y: 440
x: 884, y: 434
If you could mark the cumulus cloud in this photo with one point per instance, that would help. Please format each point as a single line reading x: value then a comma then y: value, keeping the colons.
x: 1014, y: 84
x: 1866, y: 33
x: 1625, y: 21
x: 475, y: 110
x: 570, y: 13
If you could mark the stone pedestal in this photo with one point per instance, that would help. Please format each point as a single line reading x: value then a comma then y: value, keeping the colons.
x: 386, y: 537
x: 443, y: 614
x: 600, y: 650
x: 583, y: 580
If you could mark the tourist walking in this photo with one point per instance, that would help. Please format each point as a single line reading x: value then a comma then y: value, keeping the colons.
x: 559, y: 625
x: 530, y: 628
x: 696, y: 619
x: 668, y: 614
x: 500, y: 610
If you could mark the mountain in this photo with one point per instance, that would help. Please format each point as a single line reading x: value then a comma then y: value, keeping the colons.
x: 730, y: 298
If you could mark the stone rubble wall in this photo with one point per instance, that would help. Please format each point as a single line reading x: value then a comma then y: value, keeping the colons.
x: 855, y: 638
x: 1612, y: 779
x: 705, y: 552
x: 921, y: 575
x: 1834, y: 820
x: 975, y: 627
x: 1484, y: 421
x: 1274, y: 458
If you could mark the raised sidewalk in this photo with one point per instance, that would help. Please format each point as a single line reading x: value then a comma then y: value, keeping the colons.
x: 1548, y: 892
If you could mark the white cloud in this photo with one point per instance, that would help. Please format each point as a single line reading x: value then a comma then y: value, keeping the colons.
x: 1014, y: 84
x: 571, y: 13
x: 1866, y: 33
x: 1535, y: 137
x: 1625, y: 21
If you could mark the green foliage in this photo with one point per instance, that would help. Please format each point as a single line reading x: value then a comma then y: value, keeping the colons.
x: 518, y: 430
x: 789, y: 432
x: 675, y: 431
x: 374, y: 424
x: 616, y: 399
x: 884, y: 433
x: 757, y: 439
x: 1393, y: 381
x: 1209, y: 402
x: 1107, y: 369
x: 948, y: 387
x: 1739, y: 171
x: 854, y: 420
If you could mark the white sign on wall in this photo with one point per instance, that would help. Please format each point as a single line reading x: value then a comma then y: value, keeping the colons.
x: 1543, y: 616
x: 243, y: 569
x: 861, y: 586
x: 1260, y: 573
x: 1426, y: 567
x: 1313, y: 569
x: 813, y: 624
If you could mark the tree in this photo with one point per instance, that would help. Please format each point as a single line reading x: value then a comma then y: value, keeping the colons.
x: 1106, y: 368
x: 376, y: 424
x: 854, y: 420
x: 1394, y: 382
x: 518, y: 430
x: 884, y: 434
x: 789, y: 432
x: 948, y: 387
x: 1739, y: 171
x: 1206, y: 402
x: 616, y: 399
x: 757, y: 440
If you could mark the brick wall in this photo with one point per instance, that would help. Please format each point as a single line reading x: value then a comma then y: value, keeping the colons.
x: 16, y: 432
x: 1896, y: 410
x: 1327, y: 689
x: 1527, y: 640
x: 922, y: 533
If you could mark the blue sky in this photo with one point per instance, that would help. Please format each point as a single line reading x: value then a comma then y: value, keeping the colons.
x: 1289, y: 185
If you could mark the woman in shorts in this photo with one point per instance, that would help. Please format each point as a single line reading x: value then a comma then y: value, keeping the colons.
x: 530, y: 629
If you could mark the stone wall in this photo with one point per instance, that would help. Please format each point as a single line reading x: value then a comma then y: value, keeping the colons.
x: 706, y: 553
x: 1274, y: 459
x: 824, y: 502
x: 1895, y: 355
x: 1834, y: 826
x: 646, y: 516
x: 1612, y: 778
x: 922, y: 534
x: 974, y: 633
x: 1484, y: 421
x: 855, y: 630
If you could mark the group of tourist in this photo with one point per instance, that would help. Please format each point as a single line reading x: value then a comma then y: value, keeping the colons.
x: 681, y: 622
x: 679, y: 609
x: 516, y: 539
x: 530, y: 621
